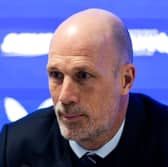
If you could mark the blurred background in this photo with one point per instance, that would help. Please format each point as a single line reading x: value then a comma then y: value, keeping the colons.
x: 26, y: 28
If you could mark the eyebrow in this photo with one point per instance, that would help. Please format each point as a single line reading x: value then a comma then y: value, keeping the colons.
x: 54, y: 66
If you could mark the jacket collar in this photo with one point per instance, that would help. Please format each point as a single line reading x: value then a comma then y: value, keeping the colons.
x: 54, y: 151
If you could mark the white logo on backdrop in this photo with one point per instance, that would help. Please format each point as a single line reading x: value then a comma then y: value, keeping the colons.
x: 145, y: 42
x: 14, y: 110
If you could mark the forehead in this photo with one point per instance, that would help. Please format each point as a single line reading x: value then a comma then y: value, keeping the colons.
x: 73, y: 62
x: 78, y: 44
x: 57, y: 58
x: 80, y: 47
x: 75, y: 52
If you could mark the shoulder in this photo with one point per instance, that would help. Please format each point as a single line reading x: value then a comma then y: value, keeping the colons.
x: 146, y: 126
x: 30, y: 135
x: 30, y: 129
x: 148, y: 104
x: 35, y: 119
x: 146, y: 109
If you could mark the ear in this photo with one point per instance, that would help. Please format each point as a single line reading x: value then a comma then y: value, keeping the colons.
x: 127, y: 78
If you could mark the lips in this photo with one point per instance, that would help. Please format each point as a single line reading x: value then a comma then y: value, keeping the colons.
x: 71, y: 116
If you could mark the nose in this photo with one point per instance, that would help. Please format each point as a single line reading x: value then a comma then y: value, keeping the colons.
x: 69, y: 93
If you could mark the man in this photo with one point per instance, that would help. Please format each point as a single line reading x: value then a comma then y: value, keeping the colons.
x: 90, y: 76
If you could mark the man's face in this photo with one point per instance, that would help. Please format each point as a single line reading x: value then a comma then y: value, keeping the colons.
x: 84, y: 88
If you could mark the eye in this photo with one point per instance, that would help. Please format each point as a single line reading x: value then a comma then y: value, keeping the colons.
x: 56, y: 75
x: 82, y: 75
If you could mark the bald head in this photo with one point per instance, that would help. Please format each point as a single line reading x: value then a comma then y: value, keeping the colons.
x: 89, y: 60
x: 96, y: 27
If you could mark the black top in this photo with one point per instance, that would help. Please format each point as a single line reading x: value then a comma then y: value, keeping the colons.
x: 36, y: 141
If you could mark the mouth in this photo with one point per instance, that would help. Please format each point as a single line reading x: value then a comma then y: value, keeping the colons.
x: 71, y: 116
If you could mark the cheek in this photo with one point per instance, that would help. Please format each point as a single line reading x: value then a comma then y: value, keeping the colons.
x: 54, y: 91
x: 94, y: 102
x: 103, y: 100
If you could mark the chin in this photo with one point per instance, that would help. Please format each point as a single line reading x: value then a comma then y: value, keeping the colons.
x: 71, y: 134
x: 67, y: 133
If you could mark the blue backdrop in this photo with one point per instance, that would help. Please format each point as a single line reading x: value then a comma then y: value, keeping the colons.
x: 23, y: 81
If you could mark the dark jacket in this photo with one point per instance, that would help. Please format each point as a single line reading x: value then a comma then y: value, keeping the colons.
x: 35, y: 141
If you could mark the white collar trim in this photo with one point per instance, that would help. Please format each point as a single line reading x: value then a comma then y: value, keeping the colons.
x: 104, y: 150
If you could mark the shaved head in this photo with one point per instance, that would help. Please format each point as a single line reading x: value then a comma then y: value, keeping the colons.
x: 99, y: 25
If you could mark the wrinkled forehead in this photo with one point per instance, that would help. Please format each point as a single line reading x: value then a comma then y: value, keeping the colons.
x: 77, y: 44
x: 81, y: 45
x: 84, y: 61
